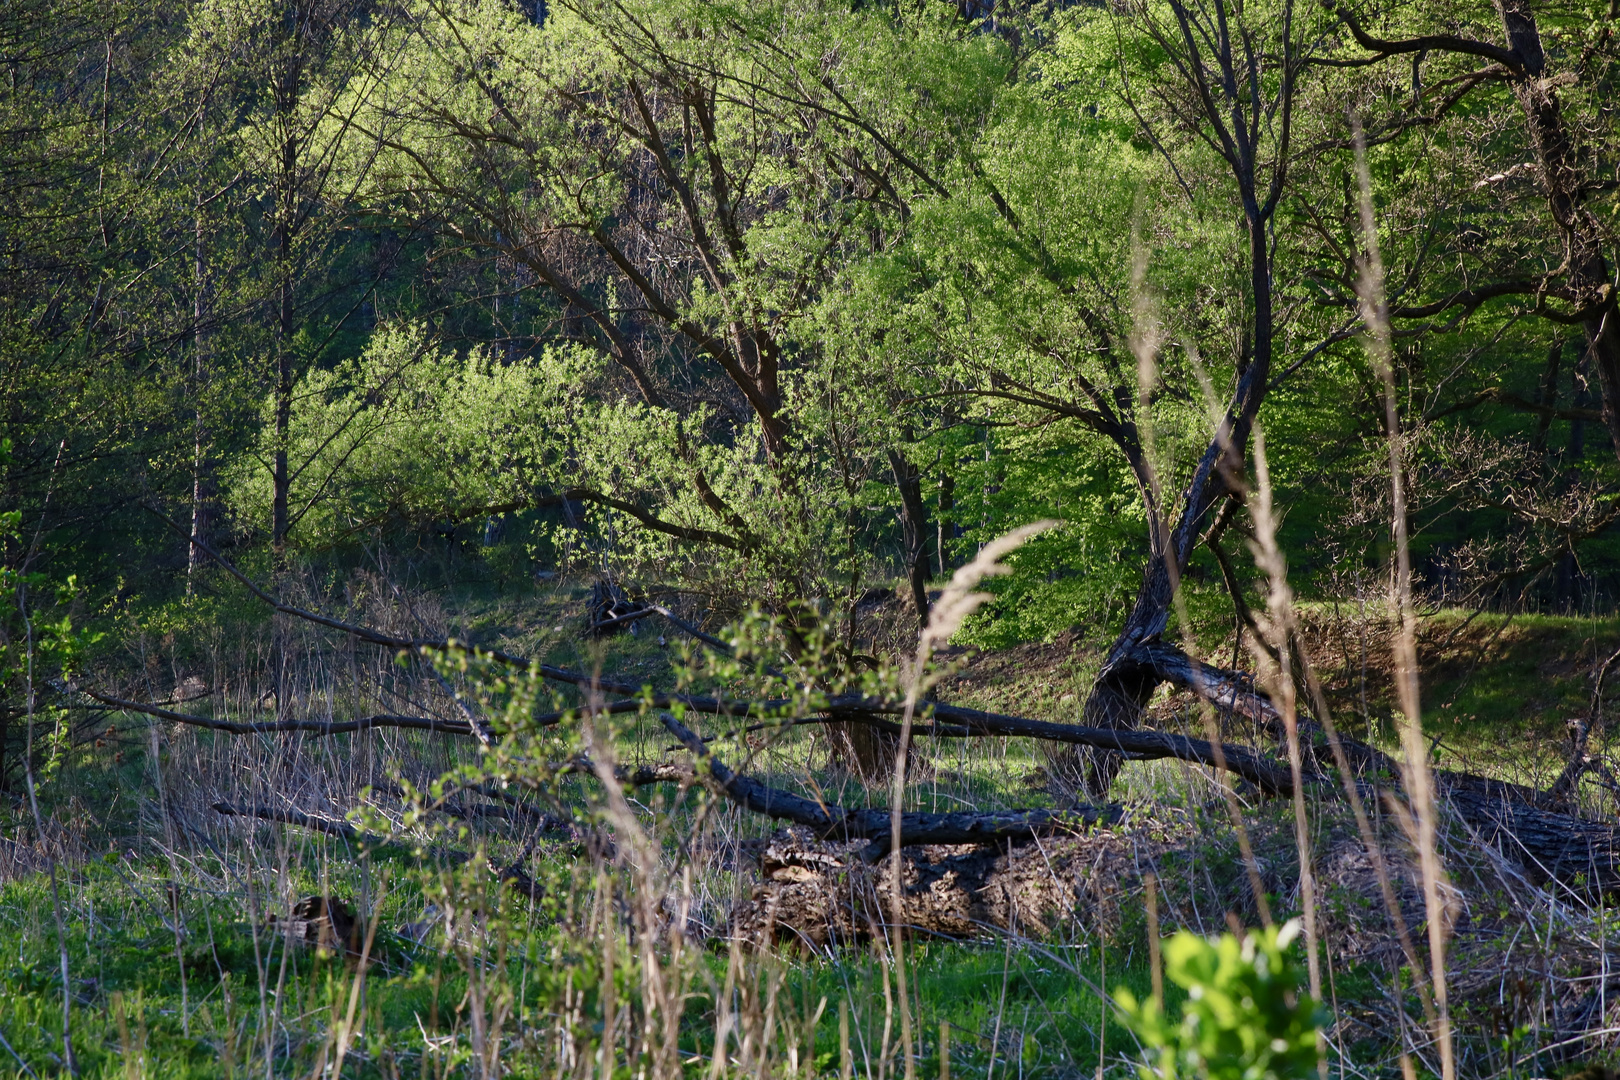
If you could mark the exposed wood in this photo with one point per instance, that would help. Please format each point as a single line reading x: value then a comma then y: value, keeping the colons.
x: 820, y: 897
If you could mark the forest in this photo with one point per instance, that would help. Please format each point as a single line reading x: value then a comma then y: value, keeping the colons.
x: 1006, y: 539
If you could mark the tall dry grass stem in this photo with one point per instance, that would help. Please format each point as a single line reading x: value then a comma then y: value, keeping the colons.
x: 1278, y: 667
x: 959, y: 599
x: 1146, y: 343
x: 1150, y: 889
x: 1417, y: 778
x: 1280, y: 611
x: 30, y: 705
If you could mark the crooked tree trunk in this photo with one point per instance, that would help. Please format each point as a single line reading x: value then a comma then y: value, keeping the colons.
x: 1562, y: 180
x: 1125, y: 682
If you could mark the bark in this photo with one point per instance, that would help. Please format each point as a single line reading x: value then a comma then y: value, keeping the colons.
x: 1549, y: 846
x: 820, y: 897
x: 1562, y: 181
x: 863, y: 746
x: 611, y: 611
x: 329, y: 826
x: 827, y: 821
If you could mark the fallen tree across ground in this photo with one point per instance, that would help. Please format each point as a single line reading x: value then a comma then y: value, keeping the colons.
x: 1534, y: 829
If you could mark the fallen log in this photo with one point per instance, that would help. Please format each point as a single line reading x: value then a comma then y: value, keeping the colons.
x: 827, y: 821
x: 1550, y: 846
x: 1560, y: 846
x: 821, y: 897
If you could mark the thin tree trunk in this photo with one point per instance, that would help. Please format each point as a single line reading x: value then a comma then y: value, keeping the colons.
x: 202, y: 478
x: 287, y: 93
x: 914, y: 530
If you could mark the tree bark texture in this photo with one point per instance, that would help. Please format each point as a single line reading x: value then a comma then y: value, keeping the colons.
x: 820, y: 897
x: 914, y: 531
x: 1562, y: 181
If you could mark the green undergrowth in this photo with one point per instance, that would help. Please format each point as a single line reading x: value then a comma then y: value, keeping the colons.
x: 145, y: 1006
x: 1498, y: 690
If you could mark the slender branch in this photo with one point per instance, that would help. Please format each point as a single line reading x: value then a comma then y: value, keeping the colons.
x: 325, y: 825
x: 1428, y: 43
x: 317, y: 727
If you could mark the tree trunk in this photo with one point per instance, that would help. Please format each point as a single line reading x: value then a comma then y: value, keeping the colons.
x: 288, y: 89
x: 864, y: 749
x: 202, y: 466
x: 1125, y: 683
x: 1558, y: 161
x: 914, y: 530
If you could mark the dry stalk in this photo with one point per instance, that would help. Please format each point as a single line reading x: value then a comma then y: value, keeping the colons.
x: 959, y: 600
x: 1146, y: 344
x: 1417, y: 779
x: 1280, y: 609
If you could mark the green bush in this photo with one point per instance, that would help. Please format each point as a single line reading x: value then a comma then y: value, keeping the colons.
x: 1245, y: 1017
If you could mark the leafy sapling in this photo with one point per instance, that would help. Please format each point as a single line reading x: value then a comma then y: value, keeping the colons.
x: 1245, y: 1017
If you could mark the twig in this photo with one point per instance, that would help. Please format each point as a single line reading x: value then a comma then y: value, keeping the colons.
x: 27, y: 1068
x: 317, y: 727
x: 302, y: 820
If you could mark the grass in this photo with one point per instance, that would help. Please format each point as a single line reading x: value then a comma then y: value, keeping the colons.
x: 226, y: 997
x: 1030, y: 1006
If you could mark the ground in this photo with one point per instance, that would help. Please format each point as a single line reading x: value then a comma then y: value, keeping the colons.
x: 175, y: 972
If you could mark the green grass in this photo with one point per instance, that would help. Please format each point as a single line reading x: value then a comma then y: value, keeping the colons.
x: 1496, y: 691
x: 1030, y: 1007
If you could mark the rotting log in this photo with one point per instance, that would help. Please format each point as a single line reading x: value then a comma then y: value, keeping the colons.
x: 821, y: 896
